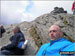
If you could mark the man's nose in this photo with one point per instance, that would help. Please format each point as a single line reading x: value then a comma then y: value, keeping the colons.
x: 51, y: 33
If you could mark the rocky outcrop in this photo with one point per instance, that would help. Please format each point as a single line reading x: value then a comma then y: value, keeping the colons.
x: 37, y: 30
x: 65, y: 21
x: 58, y: 10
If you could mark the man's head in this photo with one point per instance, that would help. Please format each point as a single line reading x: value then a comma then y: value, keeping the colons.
x: 1, y: 26
x: 55, y: 32
x: 16, y: 29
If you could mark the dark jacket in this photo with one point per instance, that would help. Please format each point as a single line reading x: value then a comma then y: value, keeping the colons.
x: 2, y: 30
x: 12, y: 47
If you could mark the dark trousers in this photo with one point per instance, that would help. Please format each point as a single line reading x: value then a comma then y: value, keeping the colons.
x: 6, y: 52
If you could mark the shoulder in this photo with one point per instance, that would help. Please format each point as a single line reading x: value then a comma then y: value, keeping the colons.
x: 43, y: 47
x: 65, y: 41
x: 19, y: 34
x: 69, y: 47
x: 66, y: 44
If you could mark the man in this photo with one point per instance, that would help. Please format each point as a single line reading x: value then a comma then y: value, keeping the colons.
x: 12, y: 48
x: 73, y: 7
x: 2, y: 30
x: 57, y: 44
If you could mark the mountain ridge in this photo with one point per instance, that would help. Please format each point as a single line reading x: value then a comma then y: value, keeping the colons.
x: 37, y: 30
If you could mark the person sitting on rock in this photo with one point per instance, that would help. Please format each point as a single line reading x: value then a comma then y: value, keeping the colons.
x: 73, y: 7
x: 57, y: 44
x: 12, y: 48
x: 2, y: 30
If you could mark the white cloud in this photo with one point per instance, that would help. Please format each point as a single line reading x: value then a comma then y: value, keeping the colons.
x: 12, y: 11
x: 47, y: 6
x: 16, y: 11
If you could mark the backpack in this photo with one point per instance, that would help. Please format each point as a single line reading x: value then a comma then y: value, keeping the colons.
x: 22, y: 44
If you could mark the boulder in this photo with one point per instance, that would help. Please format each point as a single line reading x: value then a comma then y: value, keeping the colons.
x: 58, y: 10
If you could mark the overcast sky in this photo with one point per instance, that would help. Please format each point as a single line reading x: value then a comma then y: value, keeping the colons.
x: 19, y: 11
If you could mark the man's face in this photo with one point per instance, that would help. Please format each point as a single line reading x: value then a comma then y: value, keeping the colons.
x: 54, y: 33
x: 15, y: 31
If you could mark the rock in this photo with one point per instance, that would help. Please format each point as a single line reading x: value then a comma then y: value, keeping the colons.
x: 58, y: 10
x: 37, y: 30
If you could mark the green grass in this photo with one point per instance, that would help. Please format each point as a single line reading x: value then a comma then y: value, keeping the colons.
x: 35, y: 36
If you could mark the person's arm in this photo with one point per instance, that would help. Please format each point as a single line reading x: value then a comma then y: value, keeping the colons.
x: 70, y: 48
x: 72, y: 6
x: 13, y: 43
x: 2, y: 30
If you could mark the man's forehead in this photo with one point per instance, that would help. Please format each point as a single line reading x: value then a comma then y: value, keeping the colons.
x: 54, y: 27
x: 15, y: 29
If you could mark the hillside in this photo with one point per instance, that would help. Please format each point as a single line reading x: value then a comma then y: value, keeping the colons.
x: 37, y: 30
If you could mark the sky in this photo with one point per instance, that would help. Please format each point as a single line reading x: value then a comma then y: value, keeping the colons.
x: 20, y: 11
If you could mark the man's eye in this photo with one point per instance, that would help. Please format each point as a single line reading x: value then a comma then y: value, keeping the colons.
x: 50, y: 32
x: 54, y: 31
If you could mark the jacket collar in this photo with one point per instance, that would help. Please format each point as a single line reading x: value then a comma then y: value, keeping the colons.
x: 57, y: 40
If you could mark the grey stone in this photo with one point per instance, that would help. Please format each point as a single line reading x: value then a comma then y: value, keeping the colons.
x: 41, y: 24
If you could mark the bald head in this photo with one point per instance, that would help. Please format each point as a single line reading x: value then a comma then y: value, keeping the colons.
x: 55, y: 32
x: 56, y: 27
